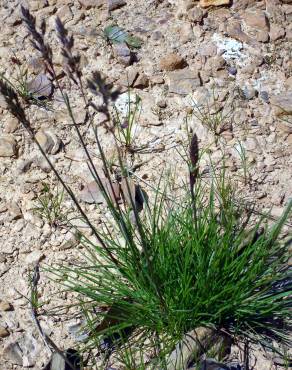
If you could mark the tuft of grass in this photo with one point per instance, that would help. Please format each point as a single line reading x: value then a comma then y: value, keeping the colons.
x: 175, y: 272
x: 149, y: 278
x: 125, y: 126
x: 49, y: 206
x: 212, y: 115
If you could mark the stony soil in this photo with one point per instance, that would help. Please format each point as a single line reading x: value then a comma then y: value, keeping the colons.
x: 241, y: 53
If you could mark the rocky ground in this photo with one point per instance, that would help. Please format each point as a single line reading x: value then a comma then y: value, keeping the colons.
x: 239, y: 53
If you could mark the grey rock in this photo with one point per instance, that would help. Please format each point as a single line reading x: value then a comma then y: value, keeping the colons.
x: 11, y: 125
x: 248, y: 92
x: 23, y: 351
x: 195, y: 14
x: 91, y: 192
x: 211, y: 364
x: 123, y: 54
x: 34, y: 257
x: 87, y: 4
x: 14, y: 211
x: 8, y: 146
x: 183, y: 82
x: 49, y: 142
x: 115, y: 4
x: 265, y: 96
x: 232, y: 70
x: 282, y: 103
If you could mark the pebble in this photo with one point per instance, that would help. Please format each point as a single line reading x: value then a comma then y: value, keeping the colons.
x: 23, y: 351
x: 129, y: 76
x: 207, y: 3
x: 256, y: 19
x: 142, y: 81
x: 195, y: 15
x: 34, y: 257
x: 5, y: 306
x: 65, y: 13
x: 115, y: 4
x: 282, y: 103
x: 49, y: 141
x: 8, y: 146
x: 183, y: 82
x: 91, y: 192
x: 11, y: 125
x: 171, y: 62
x: 232, y: 71
x: 276, y: 32
x: 88, y: 4
x: 123, y: 54
x: 14, y: 211
x: 265, y: 96
x: 3, y: 332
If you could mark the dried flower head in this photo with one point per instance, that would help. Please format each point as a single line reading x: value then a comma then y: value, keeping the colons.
x: 194, y: 158
x: 38, y: 41
x: 71, y: 61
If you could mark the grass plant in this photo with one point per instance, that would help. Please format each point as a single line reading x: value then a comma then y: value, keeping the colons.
x: 149, y: 278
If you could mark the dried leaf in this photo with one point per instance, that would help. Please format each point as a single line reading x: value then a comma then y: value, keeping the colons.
x: 40, y: 86
x: 91, y: 193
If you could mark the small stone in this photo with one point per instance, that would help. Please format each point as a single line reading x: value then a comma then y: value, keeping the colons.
x: 157, y: 80
x: 11, y: 125
x: 195, y: 15
x: 8, y: 146
x: 249, y: 92
x: 276, y: 32
x: 186, y: 33
x: 183, y: 82
x: 49, y: 142
x: 34, y: 257
x: 91, y: 193
x: 284, y: 126
x: 256, y: 19
x: 289, y: 139
x: 208, y: 49
x: 5, y: 306
x: 78, y: 155
x: 232, y: 71
x: 234, y: 31
x: 207, y: 3
x: 88, y: 4
x: 123, y: 54
x: 262, y: 36
x: 282, y: 103
x: 288, y: 83
x: 69, y: 241
x: 142, y: 81
x: 161, y: 104
x: 265, y: 96
x: 115, y: 4
x: 14, y: 211
x: 129, y: 77
x: 172, y: 62
x: 23, y: 351
x: 65, y: 13
x: 215, y: 63
x: 3, y: 332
